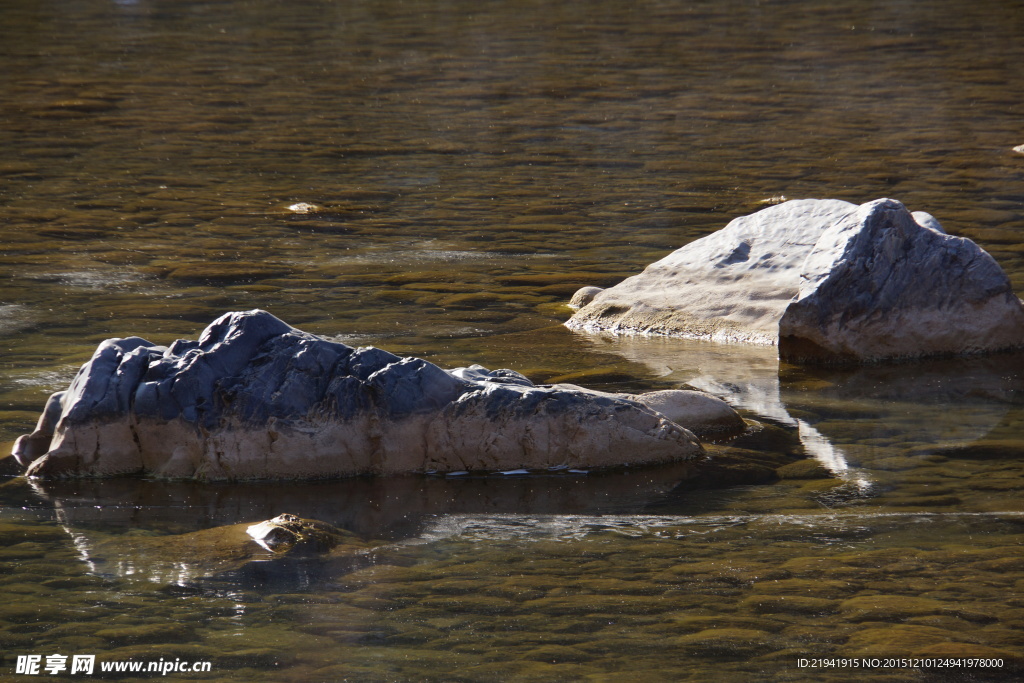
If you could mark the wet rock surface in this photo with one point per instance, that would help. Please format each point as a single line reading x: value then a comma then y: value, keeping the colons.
x: 288, y: 533
x: 825, y: 280
x: 255, y: 398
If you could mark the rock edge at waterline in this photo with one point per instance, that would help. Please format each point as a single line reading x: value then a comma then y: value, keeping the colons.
x: 826, y: 281
x: 254, y: 398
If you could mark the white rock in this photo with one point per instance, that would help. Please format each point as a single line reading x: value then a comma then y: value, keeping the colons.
x: 826, y: 281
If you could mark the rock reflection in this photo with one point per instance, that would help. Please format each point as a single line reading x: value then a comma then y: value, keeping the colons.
x: 948, y: 401
x: 181, y: 532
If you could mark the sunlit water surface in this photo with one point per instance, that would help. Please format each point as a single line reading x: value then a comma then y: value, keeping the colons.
x: 473, y: 165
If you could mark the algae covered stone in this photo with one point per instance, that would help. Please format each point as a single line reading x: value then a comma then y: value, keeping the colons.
x: 728, y: 642
x: 890, y: 607
x: 184, y: 558
x: 290, y: 533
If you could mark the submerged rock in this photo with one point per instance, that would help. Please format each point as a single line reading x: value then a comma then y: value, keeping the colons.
x: 826, y: 281
x: 254, y: 398
x: 290, y: 533
x: 188, y: 557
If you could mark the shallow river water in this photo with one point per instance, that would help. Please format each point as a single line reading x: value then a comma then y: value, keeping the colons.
x: 474, y: 164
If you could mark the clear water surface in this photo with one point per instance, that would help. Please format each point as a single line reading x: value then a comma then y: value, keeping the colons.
x: 474, y: 164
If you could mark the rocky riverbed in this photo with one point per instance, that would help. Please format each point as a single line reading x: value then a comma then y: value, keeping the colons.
x: 746, y: 586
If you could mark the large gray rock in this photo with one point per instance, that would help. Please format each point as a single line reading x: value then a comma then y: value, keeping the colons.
x: 825, y: 280
x: 254, y: 398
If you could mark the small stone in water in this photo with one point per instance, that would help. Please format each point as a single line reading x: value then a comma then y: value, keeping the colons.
x: 304, y: 207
